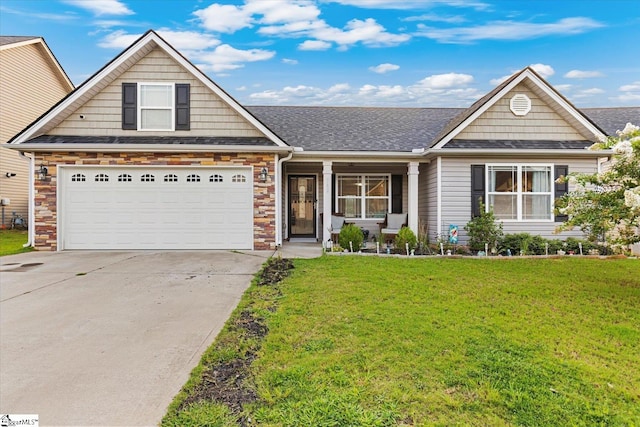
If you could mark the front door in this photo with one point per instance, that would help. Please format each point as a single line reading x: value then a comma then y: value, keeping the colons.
x: 302, y: 206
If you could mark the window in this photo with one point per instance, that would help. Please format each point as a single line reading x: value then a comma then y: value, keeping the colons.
x: 363, y: 196
x: 193, y: 178
x: 125, y: 177
x: 78, y: 177
x: 155, y: 106
x: 147, y: 177
x: 238, y: 178
x: 216, y: 178
x: 520, y: 192
x: 101, y: 177
x: 171, y: 178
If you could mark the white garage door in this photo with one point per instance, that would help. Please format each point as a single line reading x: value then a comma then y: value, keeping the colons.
x: 156, y: 208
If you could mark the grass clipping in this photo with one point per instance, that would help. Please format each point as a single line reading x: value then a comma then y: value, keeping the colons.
x: 226, y: 379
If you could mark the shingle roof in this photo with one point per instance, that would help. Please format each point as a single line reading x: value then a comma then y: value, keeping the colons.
x: 518, y: 144
x: 388, y: 129
x: 355, y: 128
x: 181, y: 140
x: 613, y: 119
x: 15, y: 39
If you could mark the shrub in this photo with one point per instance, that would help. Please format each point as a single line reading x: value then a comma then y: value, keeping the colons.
x: 404, y: 236
x: 484, y: 229
x: 351, y: 233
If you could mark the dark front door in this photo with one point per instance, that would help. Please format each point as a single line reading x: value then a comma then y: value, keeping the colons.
x: 302, y: 206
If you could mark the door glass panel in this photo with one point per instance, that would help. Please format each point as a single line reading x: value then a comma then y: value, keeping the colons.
x: 302, y: 196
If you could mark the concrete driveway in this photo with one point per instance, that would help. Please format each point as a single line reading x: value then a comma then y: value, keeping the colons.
x: 109, y: 338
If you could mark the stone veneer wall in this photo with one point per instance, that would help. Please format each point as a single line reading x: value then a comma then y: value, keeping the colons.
x: 264, y: 202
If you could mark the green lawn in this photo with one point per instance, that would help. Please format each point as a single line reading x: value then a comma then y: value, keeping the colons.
x: 366, y: 341
x: 11, y: 242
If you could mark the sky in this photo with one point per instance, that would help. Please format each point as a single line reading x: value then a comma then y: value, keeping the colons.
x: 400, y: 53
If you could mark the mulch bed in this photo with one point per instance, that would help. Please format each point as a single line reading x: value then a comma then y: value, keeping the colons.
x: 229, y: 382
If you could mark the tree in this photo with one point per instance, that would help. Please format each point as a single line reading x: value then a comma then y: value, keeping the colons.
x: 606, y: 205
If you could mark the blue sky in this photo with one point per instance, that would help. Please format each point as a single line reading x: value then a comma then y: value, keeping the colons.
x: 405, y: 53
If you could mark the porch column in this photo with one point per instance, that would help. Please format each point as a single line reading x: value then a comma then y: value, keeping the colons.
x: 412, y: 199
x: 327, y: 175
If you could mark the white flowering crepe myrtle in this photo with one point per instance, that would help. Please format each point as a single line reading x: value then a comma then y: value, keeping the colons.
x: 606, y: 205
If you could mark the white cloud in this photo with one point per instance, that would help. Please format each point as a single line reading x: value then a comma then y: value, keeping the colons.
x: 281, y: 11
x: 367, y: 32
x: 544, y: 70
x: 410, y: 4
x: 508, y: 30
x: 633, y: 87
x: 585, y: 93
x: 225, y: 57
x: 289, y: 61
x: 496, y: 82
x: 579, y: 74
x: 339, y: 88
x: 314, y: 45
x: 384, y: 68
x: 102, y: 7
x: 563, y: 88
x: 445, y: 81
x: 184, y: 41
x: 457, y: 19
x: 224, y: 18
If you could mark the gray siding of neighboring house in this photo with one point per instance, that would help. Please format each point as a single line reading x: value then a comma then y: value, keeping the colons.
x: 541, y: 123
x: 456, y: 194
x: 210, y: 115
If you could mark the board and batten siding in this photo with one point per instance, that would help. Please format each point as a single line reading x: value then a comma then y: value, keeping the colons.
x: 29, y: 86
x: 210, y: 115
x: 456, y: 195
x: 542, y: 123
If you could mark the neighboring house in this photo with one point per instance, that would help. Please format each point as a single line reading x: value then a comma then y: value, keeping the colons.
x: 31, y: 81
x: 149, y: 153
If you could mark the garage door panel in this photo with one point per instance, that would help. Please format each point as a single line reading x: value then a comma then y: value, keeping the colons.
x: 129, y: 212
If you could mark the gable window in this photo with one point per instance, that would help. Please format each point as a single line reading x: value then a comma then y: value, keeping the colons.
x: 363, y: 196
x: 520, y: 192
x: 156, y: 106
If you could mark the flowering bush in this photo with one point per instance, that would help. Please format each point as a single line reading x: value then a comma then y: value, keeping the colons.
x: 606, y: 205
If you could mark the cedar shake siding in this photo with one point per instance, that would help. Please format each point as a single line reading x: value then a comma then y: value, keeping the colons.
x: 209, y: 115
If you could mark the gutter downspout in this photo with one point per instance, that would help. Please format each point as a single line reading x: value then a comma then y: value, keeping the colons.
x: 279, y: 163
x: 32, y: 216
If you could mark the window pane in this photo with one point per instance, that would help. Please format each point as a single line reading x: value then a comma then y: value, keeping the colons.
x: 376, y: 186
x: 350, y: 207
x: 155, y: 119
x: 156, y: 96
x: 536, y: 207
x: 536, y: 179
x: 377, y: 208
x: 504, y: 206
x: 503, y: 179
x: 349, y: 186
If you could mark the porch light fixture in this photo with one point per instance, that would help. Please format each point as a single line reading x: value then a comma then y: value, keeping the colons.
x: 10, y: 174
x: 263, y: 174
x: 42, y: 172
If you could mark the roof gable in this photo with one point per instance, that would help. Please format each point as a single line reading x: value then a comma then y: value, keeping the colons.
x: 571, y: 123
x: 106, y: 76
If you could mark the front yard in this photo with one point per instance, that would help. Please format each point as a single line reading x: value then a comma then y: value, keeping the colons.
x: 368, y: 341
x: 11, y: 242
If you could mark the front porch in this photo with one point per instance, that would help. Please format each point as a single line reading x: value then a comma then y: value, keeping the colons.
x: 362, y: 191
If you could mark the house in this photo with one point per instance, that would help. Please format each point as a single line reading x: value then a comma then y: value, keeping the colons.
x: 31, y: 81
x: 149, y: 153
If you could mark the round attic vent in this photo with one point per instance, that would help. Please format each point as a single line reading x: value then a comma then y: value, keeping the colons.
x: 520, y: 104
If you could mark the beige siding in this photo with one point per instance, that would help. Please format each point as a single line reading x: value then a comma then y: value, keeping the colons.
x: 541, y: 123
x: 456, y: 194
x: 28, y: 88
x: 210, y: 116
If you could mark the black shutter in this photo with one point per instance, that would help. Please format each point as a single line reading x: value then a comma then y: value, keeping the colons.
x: 183, y: 98
x: 561, y: 188
x: 333, y: 193
x: 129, y: 106
x: 477, y: 189
x: 396, y: 193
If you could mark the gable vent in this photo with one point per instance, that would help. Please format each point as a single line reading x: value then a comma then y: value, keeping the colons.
x: 520, y: 104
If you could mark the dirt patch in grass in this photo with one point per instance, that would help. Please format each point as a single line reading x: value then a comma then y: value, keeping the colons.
x: 229, y: 382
